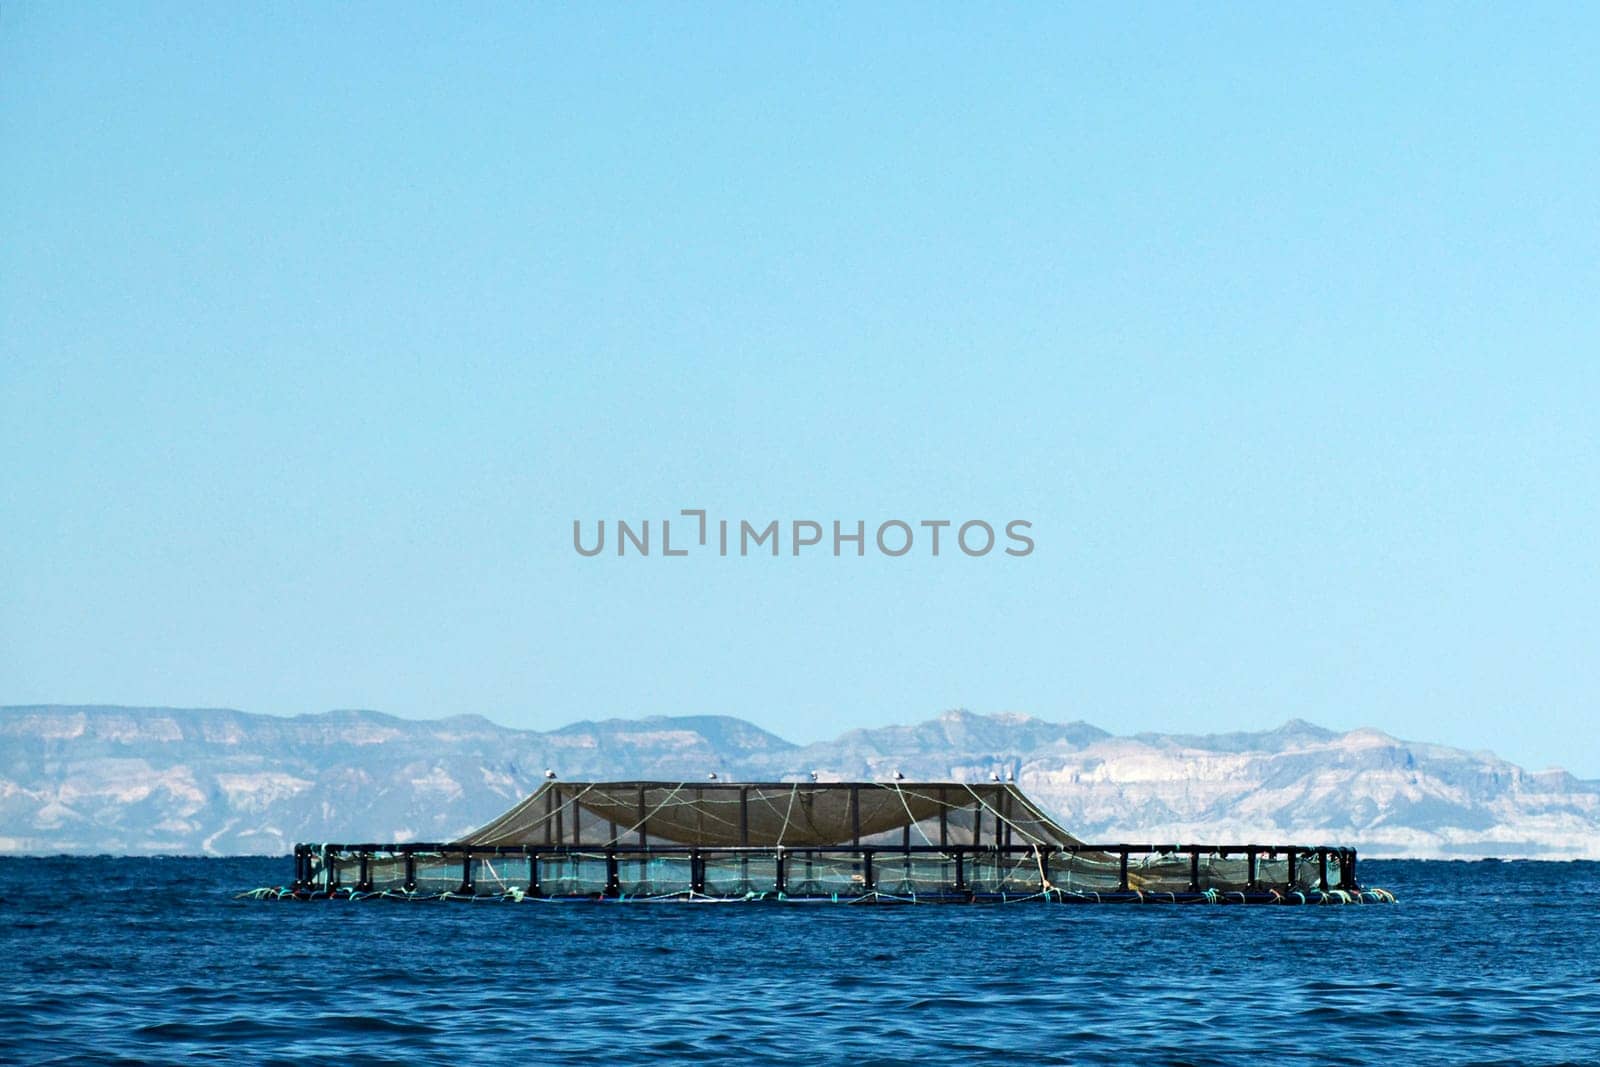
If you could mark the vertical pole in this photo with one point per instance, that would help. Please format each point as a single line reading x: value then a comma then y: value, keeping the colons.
x: 697, y: 872
x: 780, y: 878
x: 643, y: 814
x: 364, y: 874
x: 744, y: 815
x: 1347, y: 870
x: 467, y: 888
x: 1250, y: 868
x: 1194, y: 870
x: 552, y: 817
x: 1122, y: 882
x: 533, y: 876
x: 855, y: 815
x: 961, y: 871
x: 1322, y: 870
x: 613, y: 876
x: 1293, y: 873
x: 977, y: 824
x: 411, y: 872
x: 944, y: 820
x: 868, y: 877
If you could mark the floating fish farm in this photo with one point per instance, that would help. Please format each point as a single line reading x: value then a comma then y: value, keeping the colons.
x: 844, y: 842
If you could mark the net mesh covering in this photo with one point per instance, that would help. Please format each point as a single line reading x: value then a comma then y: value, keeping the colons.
x: 819, y: 873
x: 787, y: 815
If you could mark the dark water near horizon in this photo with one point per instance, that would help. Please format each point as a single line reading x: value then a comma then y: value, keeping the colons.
x: 152, y: 960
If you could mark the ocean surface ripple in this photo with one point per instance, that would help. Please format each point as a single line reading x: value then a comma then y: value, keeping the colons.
x: 141, y: 960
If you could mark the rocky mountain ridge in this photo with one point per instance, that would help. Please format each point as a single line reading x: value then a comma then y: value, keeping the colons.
x: 218, y: 781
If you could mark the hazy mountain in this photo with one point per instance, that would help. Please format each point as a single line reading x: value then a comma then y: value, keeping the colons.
x: 137, y: 780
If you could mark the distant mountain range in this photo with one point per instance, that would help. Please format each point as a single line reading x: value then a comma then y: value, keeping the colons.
x: 213, y: 781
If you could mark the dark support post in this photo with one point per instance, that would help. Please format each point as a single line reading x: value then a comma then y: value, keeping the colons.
x: 944, y: 821
x: 643, y: 815
x: 961, y: 871
x: 744, y: 815
x: 855, y: 815
x: 533, y: 876
x: 697, y: 872
x: 411, y: 872
x: 467, y: 889
x: 1194, y: 870
x: 1250, y: 876
x: 364, y: 874
x: 868, y: 877
x: 552, y: 818
x: 1322, y: 870
x: 1293, y: 872
x: 613, y: 876
x: 780, y: 879
x: 1122, y: 863
x: 1347, y: 870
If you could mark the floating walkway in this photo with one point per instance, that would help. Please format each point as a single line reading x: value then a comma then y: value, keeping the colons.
x: 845, y: 842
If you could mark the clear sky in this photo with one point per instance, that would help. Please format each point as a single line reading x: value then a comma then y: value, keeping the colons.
x: 319, y: 326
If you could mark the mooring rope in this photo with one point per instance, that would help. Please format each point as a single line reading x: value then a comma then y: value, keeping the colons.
x: 501, y: 828
x: 794, y: 791
x: 667, y: 800
x: 1044, y: 878
x: 1032, y: 838
x: 898, y: 792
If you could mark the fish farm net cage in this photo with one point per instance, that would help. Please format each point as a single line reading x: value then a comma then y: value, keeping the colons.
x: 855, y: 842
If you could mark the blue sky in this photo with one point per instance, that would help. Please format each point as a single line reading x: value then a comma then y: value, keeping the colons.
x: 319, y: 327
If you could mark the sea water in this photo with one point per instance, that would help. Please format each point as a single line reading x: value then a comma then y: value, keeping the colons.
x: 140, y: 960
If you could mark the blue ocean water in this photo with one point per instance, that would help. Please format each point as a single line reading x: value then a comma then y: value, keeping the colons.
x: 140, y: 960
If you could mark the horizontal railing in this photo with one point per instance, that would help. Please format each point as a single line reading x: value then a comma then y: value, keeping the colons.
x: 318, y: 867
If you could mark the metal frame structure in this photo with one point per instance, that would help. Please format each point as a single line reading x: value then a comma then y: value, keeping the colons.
x: 787, y: 841
x: 321, y: 873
